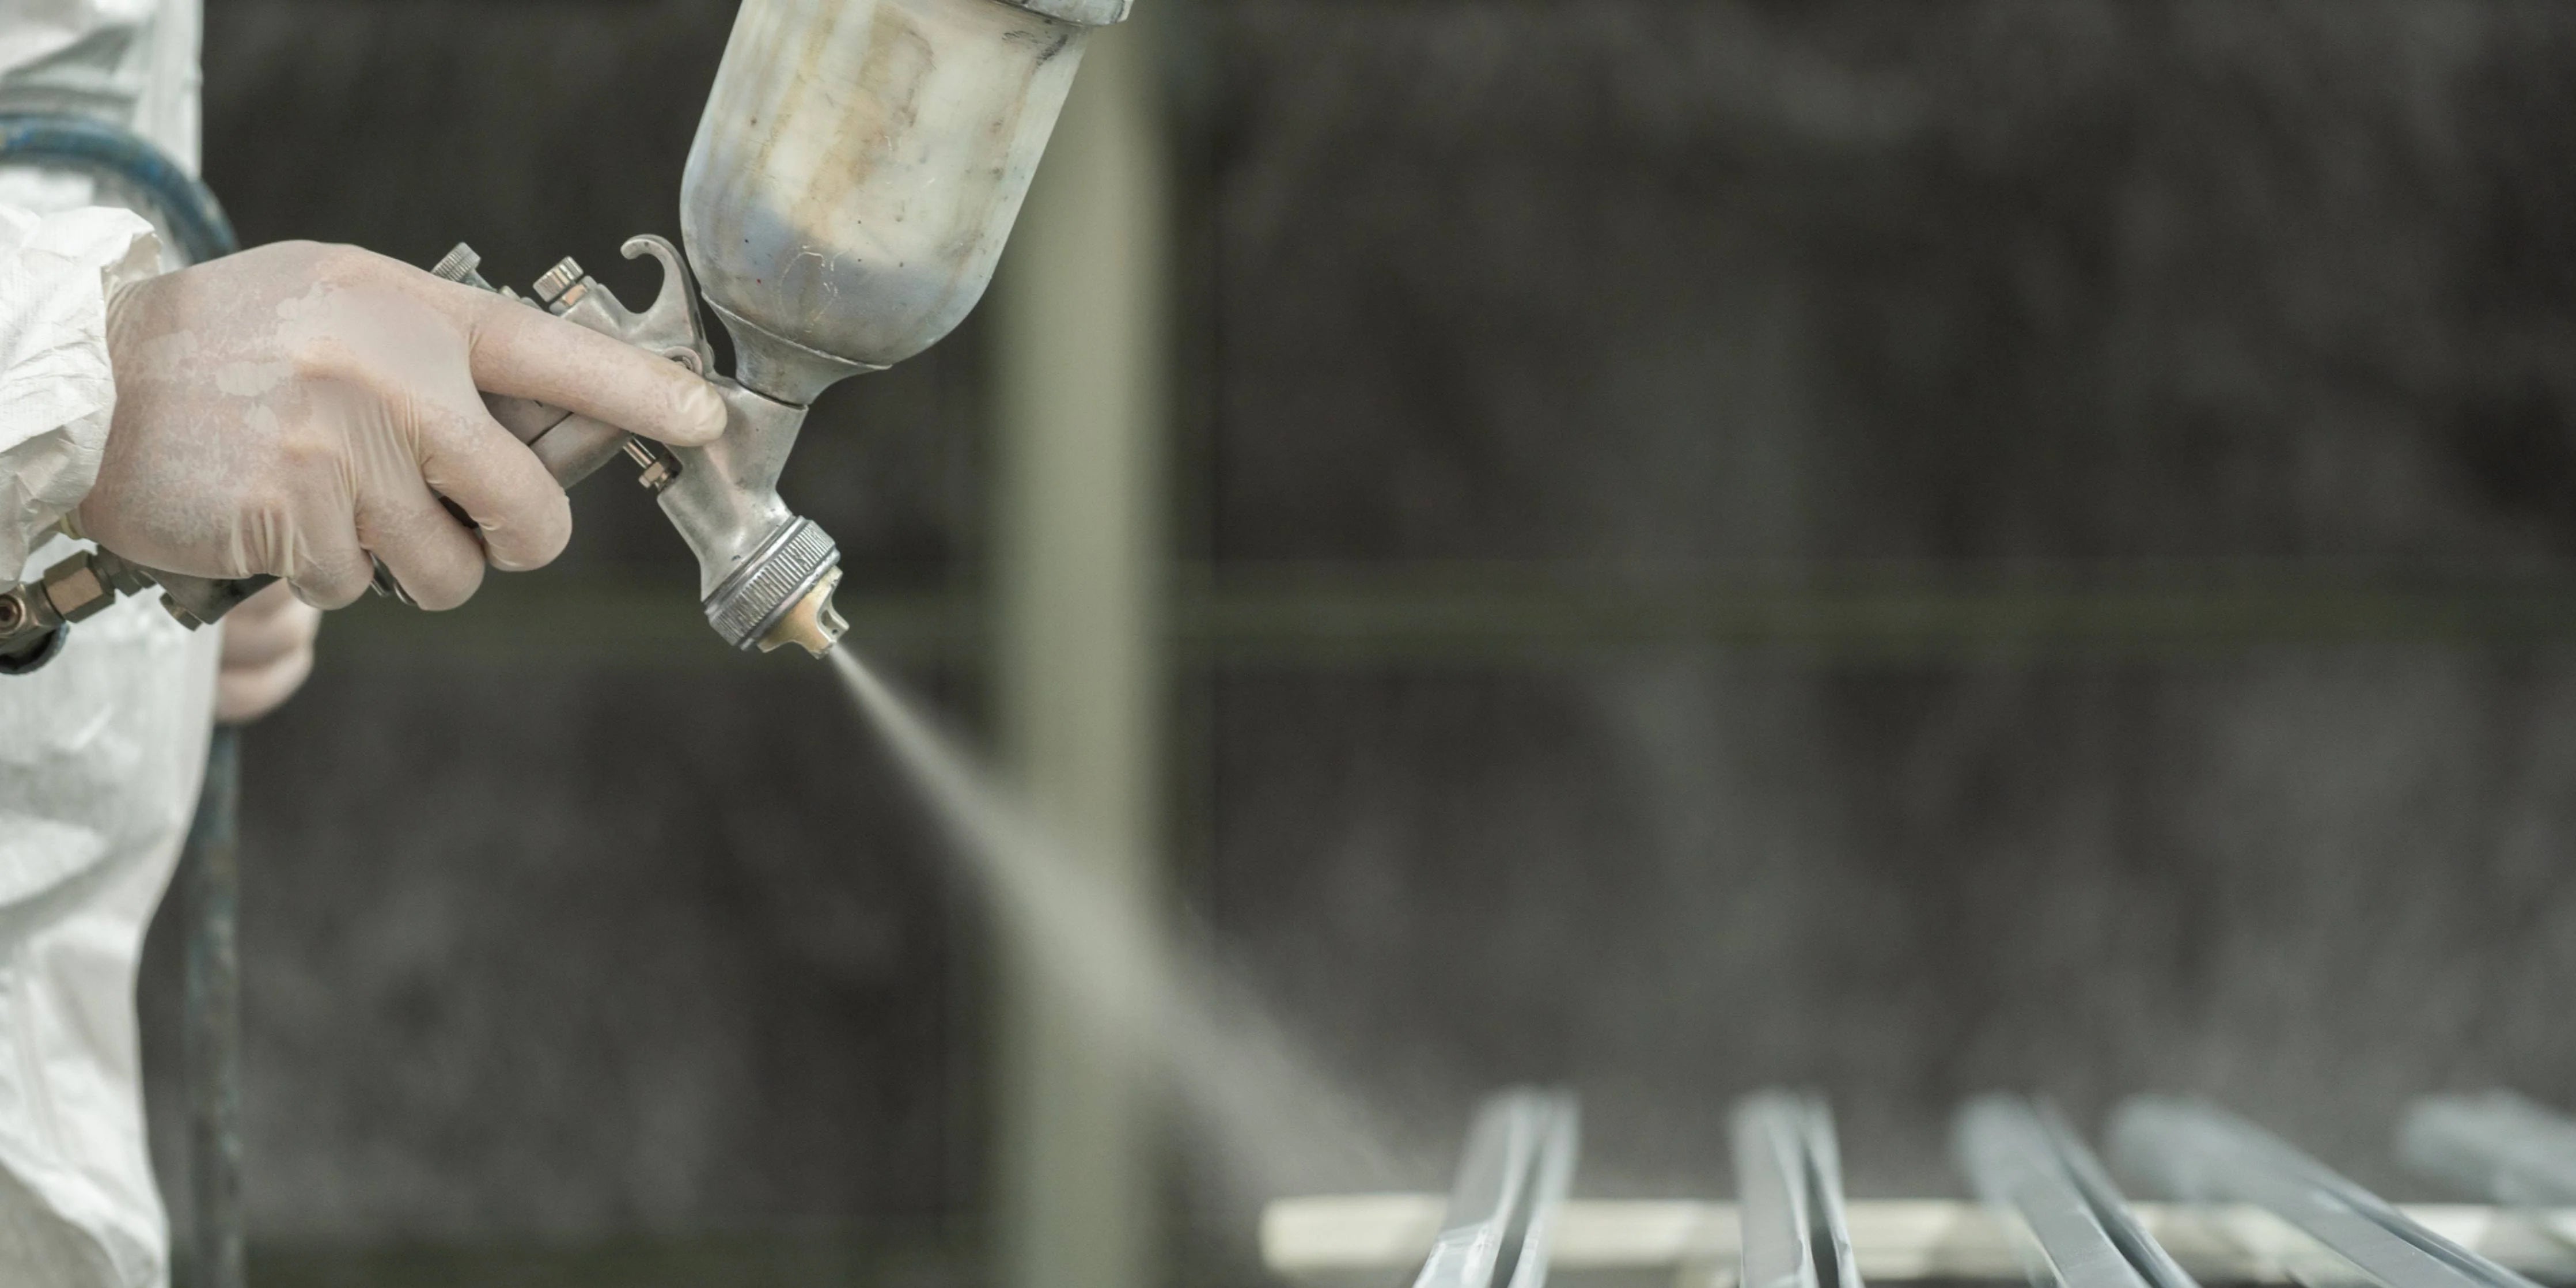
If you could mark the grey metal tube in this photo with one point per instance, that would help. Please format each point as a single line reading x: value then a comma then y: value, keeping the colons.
x: 2498, y: 1147
x: 1512, y: 1180
x: 1789, y: 1189
x: 2020, y: 1157
x: 212, y: 1037
x: 2199, y: 1152
x: 1493, y: 1177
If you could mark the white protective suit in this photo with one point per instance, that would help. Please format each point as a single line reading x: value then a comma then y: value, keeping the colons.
x: 100, y: 752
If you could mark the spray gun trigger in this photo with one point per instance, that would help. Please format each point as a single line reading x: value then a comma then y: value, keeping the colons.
x: 385, y: 586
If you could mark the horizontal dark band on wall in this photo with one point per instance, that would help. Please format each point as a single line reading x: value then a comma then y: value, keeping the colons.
x: 1451, y: 615
x: 806, y: 1258
x: 922, y: 1252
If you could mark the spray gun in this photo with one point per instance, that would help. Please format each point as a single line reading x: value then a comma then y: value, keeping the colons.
x: 852, y: 182
x: 766, y: 574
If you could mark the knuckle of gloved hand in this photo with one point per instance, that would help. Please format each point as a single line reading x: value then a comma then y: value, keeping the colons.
x: 341, y: 264
x: 307, y: 448
x: 285, y: 263
x: 258, y: 538
x: 532, y: 538
x: 383, y: 369
x: 317, y: 357
x: 333, y: 583
x: 446, y: 585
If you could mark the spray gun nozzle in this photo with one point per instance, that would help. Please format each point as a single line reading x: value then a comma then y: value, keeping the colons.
x: 812, y: 623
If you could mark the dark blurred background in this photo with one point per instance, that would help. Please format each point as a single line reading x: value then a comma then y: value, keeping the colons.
x: 1904, y: 548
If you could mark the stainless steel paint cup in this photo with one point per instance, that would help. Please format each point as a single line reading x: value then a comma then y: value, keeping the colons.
x: 858, y: 169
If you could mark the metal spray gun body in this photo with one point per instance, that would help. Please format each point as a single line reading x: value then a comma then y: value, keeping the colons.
x: 766, y: 573
x: 852, y: 182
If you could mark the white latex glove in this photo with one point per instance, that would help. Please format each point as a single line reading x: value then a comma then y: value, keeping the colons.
x: 292, y: 409
x: 268, y: 652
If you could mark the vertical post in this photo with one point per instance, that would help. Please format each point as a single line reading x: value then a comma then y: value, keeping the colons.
x: 211, y: 1040
x: 1081, y: 379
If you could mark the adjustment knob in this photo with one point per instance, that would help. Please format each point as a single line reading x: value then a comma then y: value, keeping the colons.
x: 558, y: 280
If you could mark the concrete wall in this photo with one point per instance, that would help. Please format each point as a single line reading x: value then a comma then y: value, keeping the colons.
x: 2195, y: 297
x: 2247, y: 305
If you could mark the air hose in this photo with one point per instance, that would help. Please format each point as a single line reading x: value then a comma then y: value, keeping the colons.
x: 187, y: 208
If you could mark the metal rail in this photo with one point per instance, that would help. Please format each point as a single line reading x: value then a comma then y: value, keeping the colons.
x: 2497, y: 1146
x: 2199, y: 1152
x: 1377, y: 1239
x: 1512, y: 1181
x: 1789, y: 1181
x: 2260, y: 1212
x: 2079, y: 1230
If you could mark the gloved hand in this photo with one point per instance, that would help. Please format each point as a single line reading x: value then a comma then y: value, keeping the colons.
x: 293, y: 408
x: 268, y: 652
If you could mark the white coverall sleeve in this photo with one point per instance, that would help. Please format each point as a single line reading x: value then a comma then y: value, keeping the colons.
x: 56, y: 390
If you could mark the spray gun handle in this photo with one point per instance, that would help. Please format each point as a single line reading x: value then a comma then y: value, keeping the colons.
x: 768, y: 575
x: 35, y: 616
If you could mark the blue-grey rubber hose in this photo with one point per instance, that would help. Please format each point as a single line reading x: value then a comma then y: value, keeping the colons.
x: 210, y: 884
x: 187, y: 207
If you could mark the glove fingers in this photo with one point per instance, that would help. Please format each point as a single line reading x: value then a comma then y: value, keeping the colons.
x: 468, y: 457
x: 304, y: 539
x: 252, y: 649
x: 245, y: 694
x: 438, y: 560
x: 268, y: 626
x: 324, y: 562
x: 529, y: 353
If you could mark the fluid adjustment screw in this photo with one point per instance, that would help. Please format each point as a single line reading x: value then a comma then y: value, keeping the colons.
x: 659, y: 469
x: 558, y: 280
